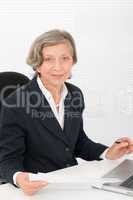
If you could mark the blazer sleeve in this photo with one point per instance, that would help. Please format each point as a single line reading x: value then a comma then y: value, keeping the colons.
x: 12, y: 143
x: 85, y: 147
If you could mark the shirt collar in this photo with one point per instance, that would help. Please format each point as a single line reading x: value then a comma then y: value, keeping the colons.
x: 47, y: 93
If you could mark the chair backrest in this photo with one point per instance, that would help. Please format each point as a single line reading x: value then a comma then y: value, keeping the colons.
x: 9, y: 82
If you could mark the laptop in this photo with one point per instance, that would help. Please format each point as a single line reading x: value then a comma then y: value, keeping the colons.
x: 123, y: 173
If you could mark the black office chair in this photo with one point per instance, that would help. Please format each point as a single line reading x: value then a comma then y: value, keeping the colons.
x: 9, y: 82
x: 13, y: 79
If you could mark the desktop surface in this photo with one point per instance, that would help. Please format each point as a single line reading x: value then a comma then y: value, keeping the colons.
x: 90, y: 170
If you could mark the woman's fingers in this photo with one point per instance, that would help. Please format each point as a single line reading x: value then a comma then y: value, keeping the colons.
x: 35, y: 184
x: 121, y: 145
x: 34, y: 187
x: 29, y: 187
x: 125, y: 139
x: 125, y: 143
x: 130, y: 149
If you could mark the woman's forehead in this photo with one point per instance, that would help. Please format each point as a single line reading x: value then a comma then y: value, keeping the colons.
x: 61, y: 48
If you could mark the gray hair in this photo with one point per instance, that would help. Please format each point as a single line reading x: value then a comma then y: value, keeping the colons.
x: 50, y: 38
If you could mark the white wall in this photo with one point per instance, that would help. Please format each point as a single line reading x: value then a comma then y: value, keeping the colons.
x: 103, y: 31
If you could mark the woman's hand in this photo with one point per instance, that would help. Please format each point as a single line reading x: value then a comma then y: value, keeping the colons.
x: 120, y: 148
x: 29, y: 187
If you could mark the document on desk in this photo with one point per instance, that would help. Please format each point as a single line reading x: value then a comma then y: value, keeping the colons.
x: 61, y: 181
x: 68, y: 181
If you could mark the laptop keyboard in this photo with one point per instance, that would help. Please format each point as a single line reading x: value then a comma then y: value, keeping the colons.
x: 128, y: 182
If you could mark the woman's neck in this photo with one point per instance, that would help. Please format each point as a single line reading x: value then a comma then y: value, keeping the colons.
x: 56, y: 93
x: 54, y: 90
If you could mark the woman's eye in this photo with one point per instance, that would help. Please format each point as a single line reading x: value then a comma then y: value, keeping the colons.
x: 47, y: 59
x: 65, y: 58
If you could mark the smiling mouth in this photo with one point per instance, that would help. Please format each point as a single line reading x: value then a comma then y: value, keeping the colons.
x: 57, y: 75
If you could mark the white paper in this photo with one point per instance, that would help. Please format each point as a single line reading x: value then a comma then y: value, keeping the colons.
x: 57, y: 178
x: 59, y: 181
x: 69, y: 181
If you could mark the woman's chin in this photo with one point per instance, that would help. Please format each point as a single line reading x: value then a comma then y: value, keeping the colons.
x: 57, y: 82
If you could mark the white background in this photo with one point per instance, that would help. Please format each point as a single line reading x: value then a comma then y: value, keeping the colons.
x: 103, y: 31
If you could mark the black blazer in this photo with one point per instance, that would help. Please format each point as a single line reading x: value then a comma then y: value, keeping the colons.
x: 31, y: 138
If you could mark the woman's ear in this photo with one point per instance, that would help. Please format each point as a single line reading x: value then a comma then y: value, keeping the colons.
x: 38, y: 70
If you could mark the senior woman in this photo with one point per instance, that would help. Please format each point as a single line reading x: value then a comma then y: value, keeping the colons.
x: 41, y: 123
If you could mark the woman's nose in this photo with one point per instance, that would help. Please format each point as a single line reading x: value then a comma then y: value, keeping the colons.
x: 57, y: 64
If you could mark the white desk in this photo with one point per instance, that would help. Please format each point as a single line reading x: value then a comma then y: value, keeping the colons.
x: 90, y: 169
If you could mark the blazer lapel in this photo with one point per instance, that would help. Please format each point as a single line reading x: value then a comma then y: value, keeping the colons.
x: 45, y: 113
x: 67, y: 114
x: 71, y: 119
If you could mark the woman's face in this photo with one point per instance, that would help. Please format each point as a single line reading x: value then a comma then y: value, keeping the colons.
x: 57, y: 64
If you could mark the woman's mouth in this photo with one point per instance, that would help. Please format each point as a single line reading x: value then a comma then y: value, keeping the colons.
x: 57, y: 75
